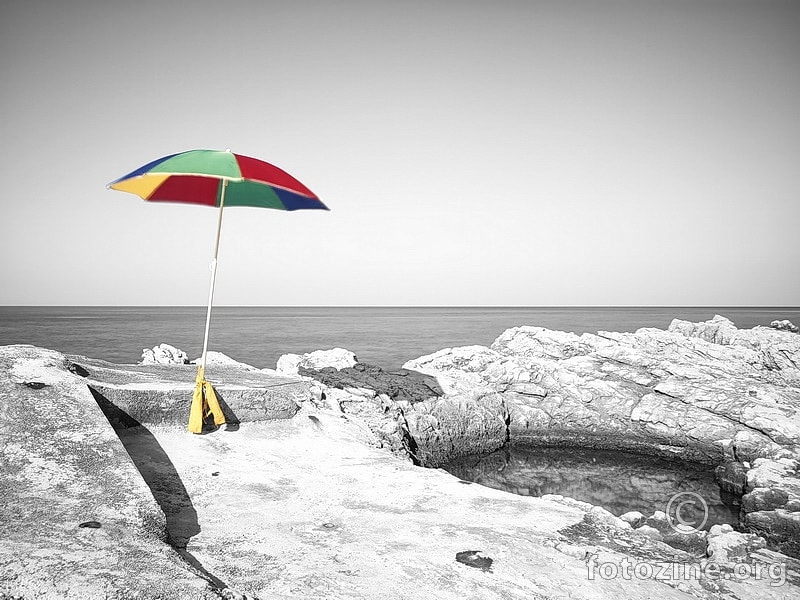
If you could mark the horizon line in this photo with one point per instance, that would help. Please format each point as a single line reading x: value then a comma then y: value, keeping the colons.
x: 769, y: 306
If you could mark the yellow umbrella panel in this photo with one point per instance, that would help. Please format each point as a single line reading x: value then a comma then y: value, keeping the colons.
x: 205, y: 177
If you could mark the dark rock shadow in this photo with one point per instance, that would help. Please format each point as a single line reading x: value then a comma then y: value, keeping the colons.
x: 162, y: 478
x: 399, y: 385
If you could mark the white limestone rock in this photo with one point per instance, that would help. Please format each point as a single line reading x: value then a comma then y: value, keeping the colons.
x: 164, y: 354
x: 727, y: 546
x: 776, y: 350
x: 634, y: 518
x: 707, y: 390
x: 218, y: 359
x: 460, y: 370
x: 541, y: 342
x: 601, y: 515
x: 785, y: 325
x: 338, y: 358
x: 768, y: 473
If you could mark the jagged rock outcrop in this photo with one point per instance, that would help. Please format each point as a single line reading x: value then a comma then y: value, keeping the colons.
x: 785, y: 325
x: 708, y: 391
x: 337, y: 358
x: 438, y: 431
x: 293, y: 507
x: 771, y: 506
x: 703, y: 391
x: 727, y: 546
x: 164, y: 354
x: 402, y: 385
x: 379, y: 398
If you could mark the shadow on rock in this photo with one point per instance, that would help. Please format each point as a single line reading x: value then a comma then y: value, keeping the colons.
x: 231, y: 420
x: 161, y: 477
x: 400, y: 385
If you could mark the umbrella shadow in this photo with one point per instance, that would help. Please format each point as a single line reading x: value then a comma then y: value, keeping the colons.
x: 162, y: 478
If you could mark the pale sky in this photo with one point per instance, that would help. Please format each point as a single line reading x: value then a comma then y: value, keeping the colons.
x: 471, y: 153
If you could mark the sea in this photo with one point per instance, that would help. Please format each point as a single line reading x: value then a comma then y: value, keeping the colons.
x: 388, y: 337
x: 383, y: 336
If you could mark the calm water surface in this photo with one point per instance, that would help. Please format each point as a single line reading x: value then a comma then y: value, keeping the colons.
x: 385, y: 336
x: 617, y: 481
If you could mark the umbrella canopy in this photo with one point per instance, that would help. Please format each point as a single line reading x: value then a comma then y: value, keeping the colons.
x: 215, y: 178
x: 198, y: 177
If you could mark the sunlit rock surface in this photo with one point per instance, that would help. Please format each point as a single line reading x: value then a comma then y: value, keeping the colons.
x: 164, y: 354
x: 314, y: 505
x: 727, y: 546
x: 158, y: 393
x: 703, y: 391
x: 785, y: 325
x: 305, y: 507
x: 61, y: 466
x: 771, y: 507
x: 338, y: 358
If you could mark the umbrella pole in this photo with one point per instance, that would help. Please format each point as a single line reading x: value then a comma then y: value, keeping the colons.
x: 213, y: 275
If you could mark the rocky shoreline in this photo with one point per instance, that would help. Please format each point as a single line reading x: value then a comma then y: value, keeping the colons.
x: 706, y: 392
x: 699, y: 391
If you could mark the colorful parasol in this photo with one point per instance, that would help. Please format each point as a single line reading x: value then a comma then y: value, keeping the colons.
x: 215, y: 178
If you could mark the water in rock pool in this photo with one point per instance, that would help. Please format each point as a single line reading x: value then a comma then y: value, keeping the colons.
x: 618, y: 481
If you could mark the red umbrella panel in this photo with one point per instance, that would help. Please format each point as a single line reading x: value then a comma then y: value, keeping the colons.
x: 215, y: 178
x: 197, y: 177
